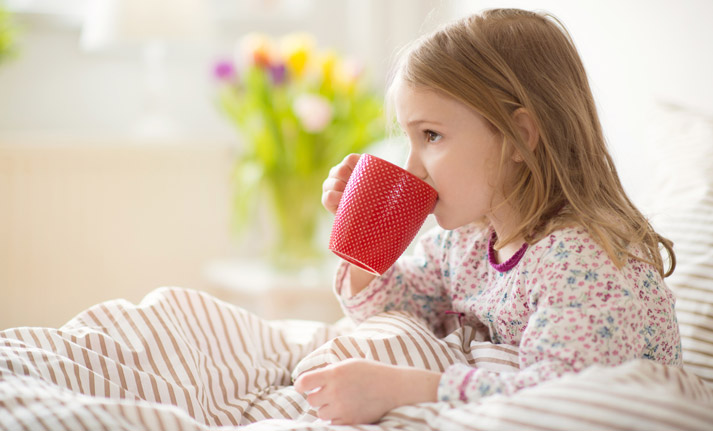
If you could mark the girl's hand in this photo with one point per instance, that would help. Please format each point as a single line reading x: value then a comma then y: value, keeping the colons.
x: 359, y: 391
x: 333, y: 186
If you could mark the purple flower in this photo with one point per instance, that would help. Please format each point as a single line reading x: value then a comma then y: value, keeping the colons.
x: 278, y: 72
x: 224, y: 71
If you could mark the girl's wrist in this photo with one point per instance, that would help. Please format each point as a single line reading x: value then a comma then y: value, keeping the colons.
x: 418, y: 386
x: 358, y: 279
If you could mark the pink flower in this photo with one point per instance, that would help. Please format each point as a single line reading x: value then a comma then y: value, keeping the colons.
x: 313, y: 111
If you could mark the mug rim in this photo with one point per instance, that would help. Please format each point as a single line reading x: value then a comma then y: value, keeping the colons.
x: 355, y: 261
x: 394, y: 165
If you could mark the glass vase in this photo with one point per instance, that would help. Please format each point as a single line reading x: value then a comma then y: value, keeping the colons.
x: 297, y: 218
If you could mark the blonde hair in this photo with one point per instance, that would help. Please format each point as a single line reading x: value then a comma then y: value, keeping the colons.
x: 505, y: 59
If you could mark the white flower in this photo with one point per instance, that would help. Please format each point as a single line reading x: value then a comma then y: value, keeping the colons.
x: 313, y: 111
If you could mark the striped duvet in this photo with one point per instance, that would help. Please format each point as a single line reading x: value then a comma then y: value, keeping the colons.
x: 183, y: 360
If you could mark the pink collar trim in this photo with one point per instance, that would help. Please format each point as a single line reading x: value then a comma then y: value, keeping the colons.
x: 508, y: 264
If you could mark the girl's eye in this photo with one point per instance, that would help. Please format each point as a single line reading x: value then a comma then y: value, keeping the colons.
x: 432, y: 136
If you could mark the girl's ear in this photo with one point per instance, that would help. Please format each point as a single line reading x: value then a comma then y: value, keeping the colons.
x: 528, y: 131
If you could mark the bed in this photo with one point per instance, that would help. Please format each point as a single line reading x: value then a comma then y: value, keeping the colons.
x: 184, y: 360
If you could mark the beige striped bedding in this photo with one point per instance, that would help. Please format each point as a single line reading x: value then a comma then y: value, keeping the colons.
x: 183, y: 360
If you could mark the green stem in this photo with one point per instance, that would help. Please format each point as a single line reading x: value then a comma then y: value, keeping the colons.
x: 297, y: 211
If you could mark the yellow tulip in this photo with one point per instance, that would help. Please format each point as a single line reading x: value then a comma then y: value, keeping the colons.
x: 327, y: 63
x: 297, y: 50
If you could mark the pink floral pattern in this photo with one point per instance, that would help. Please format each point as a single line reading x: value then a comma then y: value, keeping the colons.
x: 565, y: 304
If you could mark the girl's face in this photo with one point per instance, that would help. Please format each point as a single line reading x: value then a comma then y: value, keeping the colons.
x: 453, y: 149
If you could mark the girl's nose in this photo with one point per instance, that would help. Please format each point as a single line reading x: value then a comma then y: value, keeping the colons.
x: 414, y: 165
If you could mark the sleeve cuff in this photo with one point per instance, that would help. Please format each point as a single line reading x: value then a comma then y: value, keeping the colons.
x: 452, y: 386
x: 361, y: 305
x: 463, y: 383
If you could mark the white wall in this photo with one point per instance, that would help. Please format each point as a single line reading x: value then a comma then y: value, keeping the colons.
x: 84, y: 222
x: 634, y: 51
x: 56, y: 87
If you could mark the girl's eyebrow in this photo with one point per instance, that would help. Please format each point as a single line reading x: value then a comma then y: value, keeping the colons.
x: 418, y: 122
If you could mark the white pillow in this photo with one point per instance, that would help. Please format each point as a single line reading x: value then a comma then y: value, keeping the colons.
x: 680, y: 207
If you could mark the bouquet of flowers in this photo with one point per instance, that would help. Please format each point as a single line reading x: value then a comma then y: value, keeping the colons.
x: 299, y: 112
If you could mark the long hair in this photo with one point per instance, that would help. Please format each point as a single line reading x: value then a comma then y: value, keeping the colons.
x: 505, y: 59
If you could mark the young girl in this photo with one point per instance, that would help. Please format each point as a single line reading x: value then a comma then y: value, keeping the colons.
x: 536, y: 240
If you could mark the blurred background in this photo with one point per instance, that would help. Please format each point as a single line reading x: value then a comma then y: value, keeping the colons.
x: 117, y: 157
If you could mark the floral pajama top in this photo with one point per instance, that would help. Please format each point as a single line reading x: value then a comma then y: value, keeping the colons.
x: 562, y: 301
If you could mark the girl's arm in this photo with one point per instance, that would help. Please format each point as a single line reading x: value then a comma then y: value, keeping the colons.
x: 413, y: 284
x: 356, y: 281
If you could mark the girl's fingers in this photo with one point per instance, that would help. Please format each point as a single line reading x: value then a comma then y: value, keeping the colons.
x: 327, y: 414
x: 344, y: 169
x: 318, y: 399
x: 330, y: 200
x: 351, y: 160
x: 309, y: 381
x: 334, y: 184
x: 341, y: 172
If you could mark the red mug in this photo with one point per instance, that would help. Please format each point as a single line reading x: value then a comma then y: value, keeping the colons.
x: 381, y: 211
